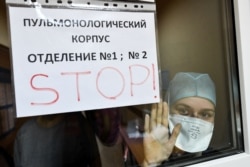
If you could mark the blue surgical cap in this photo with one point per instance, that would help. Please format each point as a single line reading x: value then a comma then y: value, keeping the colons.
x: 189, y: 84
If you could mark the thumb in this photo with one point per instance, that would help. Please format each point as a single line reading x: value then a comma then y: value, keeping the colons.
x: 172, y: 140
x: 174, y: 135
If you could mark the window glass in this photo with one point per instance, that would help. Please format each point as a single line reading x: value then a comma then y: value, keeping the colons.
x: 198, y: 119
x: 197, y: 53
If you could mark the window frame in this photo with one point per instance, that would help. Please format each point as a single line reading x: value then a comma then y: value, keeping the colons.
x: 242, y: 24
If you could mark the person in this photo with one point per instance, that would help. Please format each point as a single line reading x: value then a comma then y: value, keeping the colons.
x: 6, y: 159
x: 105, y: 123
x: 56, y: 140
x: 188, y: 116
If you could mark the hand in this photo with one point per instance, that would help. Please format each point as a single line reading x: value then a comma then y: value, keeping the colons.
x: 157, y: 144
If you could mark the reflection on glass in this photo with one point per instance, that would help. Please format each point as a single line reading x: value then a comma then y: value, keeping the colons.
x: 60, y: 140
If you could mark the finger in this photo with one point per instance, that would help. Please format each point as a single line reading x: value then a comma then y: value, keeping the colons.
x: 172, y: 140
x: 159, y: 113
x: 153, y: 116
x: 175, y: 134
x: 146, y: 124
x: 165, y: 114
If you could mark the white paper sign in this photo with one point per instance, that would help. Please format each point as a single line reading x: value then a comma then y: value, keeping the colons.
x: 72, y: 60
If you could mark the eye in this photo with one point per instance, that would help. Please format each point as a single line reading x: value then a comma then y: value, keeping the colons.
x: 183, y: 111
x: 207, y: 115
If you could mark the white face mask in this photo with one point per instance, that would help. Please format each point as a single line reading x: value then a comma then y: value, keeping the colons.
x: 195, y: 133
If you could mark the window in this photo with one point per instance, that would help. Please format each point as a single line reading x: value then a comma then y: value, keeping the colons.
x: 194, y: 36
x: 199, y: 36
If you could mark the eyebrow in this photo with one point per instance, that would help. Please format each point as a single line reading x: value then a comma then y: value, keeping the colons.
x: 181, y: 104
x: 190, y: 107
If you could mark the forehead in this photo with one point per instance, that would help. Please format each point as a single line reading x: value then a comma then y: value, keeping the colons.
x: 195, y: 103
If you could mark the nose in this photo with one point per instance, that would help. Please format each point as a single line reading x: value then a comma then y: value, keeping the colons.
x: 194, y: 114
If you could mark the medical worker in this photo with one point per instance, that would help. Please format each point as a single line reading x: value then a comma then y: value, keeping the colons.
x: 188, y: 118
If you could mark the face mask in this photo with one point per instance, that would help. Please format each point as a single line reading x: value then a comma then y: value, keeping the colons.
x: 195, y: 133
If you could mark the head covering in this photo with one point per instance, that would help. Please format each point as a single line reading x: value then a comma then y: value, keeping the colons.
x: 189, y: 84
